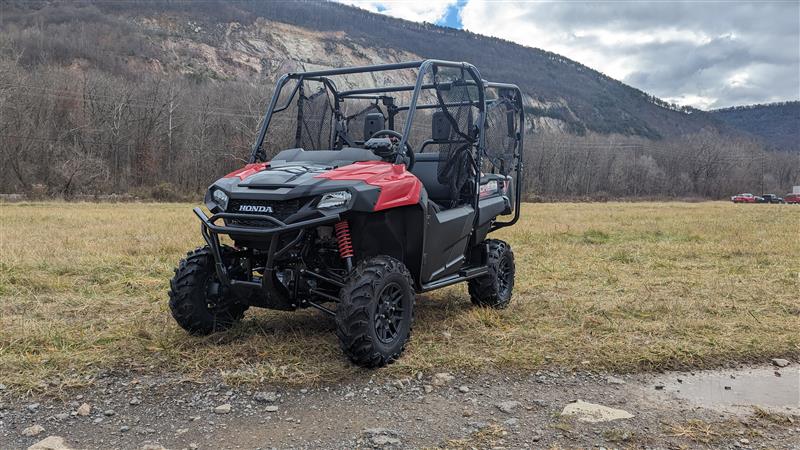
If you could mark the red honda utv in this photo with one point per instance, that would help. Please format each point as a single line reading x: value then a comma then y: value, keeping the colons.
x: 355, y: 199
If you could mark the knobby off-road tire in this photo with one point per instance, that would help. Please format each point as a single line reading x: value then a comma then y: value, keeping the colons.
x: 376, y: 312
x: 192, y: 298
x: 495, y: 289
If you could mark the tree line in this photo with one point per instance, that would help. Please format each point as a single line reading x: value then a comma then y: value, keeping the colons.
x: 66, y: 132
x: 702, y: 165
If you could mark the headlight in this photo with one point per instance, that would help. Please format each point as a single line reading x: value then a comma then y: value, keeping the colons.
x: 220, y: 198
x: 333, y: 200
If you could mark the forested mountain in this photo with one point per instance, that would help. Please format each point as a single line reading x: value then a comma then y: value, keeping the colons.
x: 161, y: 97
x: 141, y: 35
x: 778, y: 124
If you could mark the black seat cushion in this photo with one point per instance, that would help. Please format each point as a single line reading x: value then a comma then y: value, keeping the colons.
x: 426, y: 169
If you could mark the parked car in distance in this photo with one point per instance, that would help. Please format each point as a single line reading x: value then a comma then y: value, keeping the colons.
x: 745, y: 198
x: 792, y: 198
x: 771, y: 198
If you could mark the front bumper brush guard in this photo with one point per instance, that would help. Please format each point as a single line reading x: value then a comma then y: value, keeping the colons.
x: 211, y: 231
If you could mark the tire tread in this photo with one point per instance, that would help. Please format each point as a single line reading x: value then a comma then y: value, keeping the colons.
x: 187, y: 302
x: 353, y: 311
x: 483, y: 291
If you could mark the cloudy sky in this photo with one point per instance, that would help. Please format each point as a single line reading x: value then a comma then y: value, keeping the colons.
x: 707, y: 54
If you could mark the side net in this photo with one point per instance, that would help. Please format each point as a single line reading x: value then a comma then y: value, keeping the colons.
x: 456, y: 100
x: 315, y: 119
x: 354, y: 123
x: 303, y: 118
x: 500, y: 129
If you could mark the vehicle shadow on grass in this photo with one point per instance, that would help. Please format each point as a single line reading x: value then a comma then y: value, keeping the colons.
x: 303, y: 347
x: 310, y: 323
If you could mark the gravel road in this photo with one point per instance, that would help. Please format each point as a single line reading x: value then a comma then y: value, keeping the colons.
x: 126, y: 411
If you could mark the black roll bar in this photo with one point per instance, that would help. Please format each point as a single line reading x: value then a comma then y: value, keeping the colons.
x: 517, y: 152
x: 322, y: 75
x: 360, y: 69
x: 350, y: 93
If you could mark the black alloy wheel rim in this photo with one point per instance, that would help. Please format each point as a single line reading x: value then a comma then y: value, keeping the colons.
x: 389, y: 313
x: 504, y: 277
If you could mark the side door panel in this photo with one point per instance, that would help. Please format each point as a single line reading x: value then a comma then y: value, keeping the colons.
x: 446, y: 241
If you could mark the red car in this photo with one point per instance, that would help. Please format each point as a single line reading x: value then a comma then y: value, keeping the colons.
x: 744, y: 198
x: 792, y: 198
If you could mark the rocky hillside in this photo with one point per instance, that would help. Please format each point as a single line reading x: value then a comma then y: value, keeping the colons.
x: 157, y: 98
x: 255, y: 41
x: 777, y: 124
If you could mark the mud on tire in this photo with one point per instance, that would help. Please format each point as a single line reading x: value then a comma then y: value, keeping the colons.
x: 495, y: 289
x: 192, y: 298
x: 376, y: 312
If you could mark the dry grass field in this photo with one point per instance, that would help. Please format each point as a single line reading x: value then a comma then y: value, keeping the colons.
x: 614, y: 286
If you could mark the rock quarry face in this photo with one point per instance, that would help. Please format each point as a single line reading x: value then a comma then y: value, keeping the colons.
x: 267, y: 49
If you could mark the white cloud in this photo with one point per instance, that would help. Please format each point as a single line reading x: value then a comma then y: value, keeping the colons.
x: 704, y: 54
x: 697, y: 101
x: 418, y: 11
x: 738, y: 79
x: 518, y: 22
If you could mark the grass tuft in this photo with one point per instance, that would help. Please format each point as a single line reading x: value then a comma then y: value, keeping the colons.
x: 771, y: 416
x: 696, y: 431
x: 488, y: 437
x: 595, y: 237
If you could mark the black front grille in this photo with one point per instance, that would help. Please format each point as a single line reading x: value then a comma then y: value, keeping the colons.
x: 280, y: 210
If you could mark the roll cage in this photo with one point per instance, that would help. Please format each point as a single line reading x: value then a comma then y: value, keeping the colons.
x: 461, y: 131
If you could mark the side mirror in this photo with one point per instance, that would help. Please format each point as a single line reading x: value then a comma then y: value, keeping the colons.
x: 373, y: 123
x: 440, y: 126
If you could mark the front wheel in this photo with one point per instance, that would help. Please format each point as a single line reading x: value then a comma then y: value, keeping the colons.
x: 376, y: 312
x: 495, y: 288
x: 196, y: 297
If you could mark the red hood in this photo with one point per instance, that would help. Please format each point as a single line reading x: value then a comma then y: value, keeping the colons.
x: 399, y: 187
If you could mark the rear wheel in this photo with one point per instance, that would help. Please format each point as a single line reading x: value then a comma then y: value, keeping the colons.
x: 495, y: 288
x: 376, y: 312
x: 196, y: 297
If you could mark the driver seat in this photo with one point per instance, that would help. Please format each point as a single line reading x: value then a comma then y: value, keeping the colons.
x: 426, y: 168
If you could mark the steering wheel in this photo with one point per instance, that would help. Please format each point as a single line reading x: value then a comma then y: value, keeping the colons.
x: 409, y: 151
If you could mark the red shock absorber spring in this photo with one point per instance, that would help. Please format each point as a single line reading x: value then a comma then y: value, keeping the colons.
x: 343, y: 238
